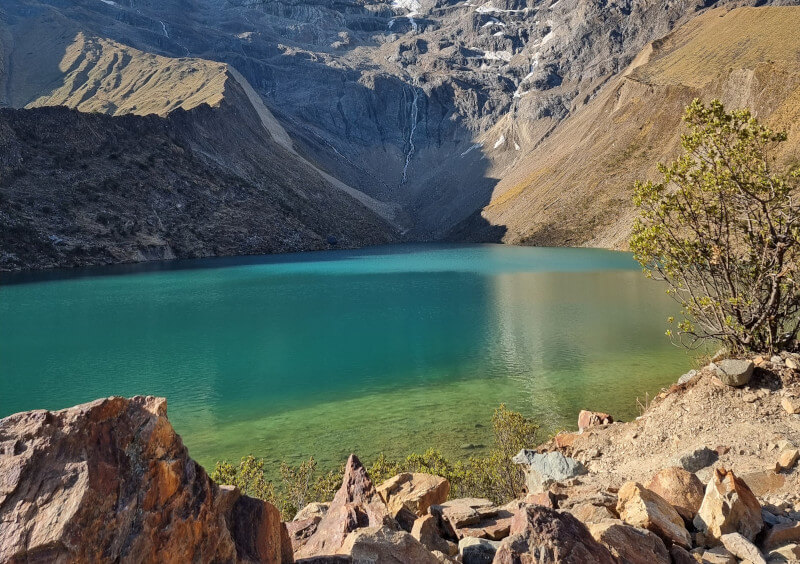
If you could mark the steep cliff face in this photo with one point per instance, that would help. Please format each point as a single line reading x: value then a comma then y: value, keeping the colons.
x: 110, y: 481
x: 163, y: 158
x: 422, y: 105
x: 82, y: 189
x: 575, y: 187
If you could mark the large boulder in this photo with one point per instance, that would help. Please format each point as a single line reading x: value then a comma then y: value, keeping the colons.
x: 408, y: 495
x: 356, y: 505
x: 728, y: 507
x: 541, y: 470
x: 629, y: 544
x: 643, y: 508
x: 682, y: 489
x: 385, y: 544
x: 734, y: 372
x: 110, y: 481
x: 545, y: 536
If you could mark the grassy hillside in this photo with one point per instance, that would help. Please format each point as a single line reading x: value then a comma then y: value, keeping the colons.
x: 575, y: 187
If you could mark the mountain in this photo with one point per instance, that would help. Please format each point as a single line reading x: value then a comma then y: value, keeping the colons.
x: 575, y: 188
x: 122, y: 155
x: 417, y: 119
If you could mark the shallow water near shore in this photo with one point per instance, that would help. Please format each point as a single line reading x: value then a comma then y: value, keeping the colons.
x: 389, y: 349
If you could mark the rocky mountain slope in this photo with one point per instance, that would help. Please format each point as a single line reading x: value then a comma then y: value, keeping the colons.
x: 424, y: 111
x: 575, y: 187
x: 708, y: 474
x: 160, y: 158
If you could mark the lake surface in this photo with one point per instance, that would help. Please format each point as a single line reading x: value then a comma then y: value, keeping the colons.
x: 394, y: 349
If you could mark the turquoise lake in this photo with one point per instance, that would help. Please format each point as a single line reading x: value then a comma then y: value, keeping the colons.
x: 389, y: 349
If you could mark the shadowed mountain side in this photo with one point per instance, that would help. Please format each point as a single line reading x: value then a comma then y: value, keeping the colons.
x: 80, y: 189
x: 576, y: 187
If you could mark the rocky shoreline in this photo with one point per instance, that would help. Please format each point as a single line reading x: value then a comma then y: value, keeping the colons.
x: 708, y: 473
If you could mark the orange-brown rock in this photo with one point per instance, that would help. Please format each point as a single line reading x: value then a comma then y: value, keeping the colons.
x: 540, y: 534
x: 629, y: 544
x: 588, y: 419
x: 356, y: 505
x: 728, y: 507
x: 111, y: 481
x: 564, y: 440
x: 764, y: 482
x: 387, y: 544
x: 408, y: 495
x: 426, y: 530
x: 682, y: 489
x: 783, y: 533
x: 643, y: 508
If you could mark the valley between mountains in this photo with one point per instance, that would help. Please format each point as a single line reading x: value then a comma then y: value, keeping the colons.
x: 135, y: 130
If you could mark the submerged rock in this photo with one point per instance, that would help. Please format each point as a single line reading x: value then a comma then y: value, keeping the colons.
x: 110, y: 480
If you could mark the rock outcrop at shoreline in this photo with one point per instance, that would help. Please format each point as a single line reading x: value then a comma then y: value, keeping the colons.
x: 111, y: 481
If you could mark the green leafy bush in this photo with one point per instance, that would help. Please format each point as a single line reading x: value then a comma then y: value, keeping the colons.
x: 493, y: 476
x: 721, y: 228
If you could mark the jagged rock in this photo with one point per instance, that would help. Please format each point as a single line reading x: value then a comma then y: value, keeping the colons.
x: 698, y: 459
x: 788, y: 458
x: 541, y: 470
x: 764, y: 482
x: 314, y: 509
x: 460, y: 513
x: 477, y: 551
x: 742, y: 548
x: 495, y: 526
x: 728, y: 507
x: 734, y: 372
x: 547, y: 499
x: 300, y: 531
x: 782, y: 533
x: 643, y: 508
x: 426, y: 530
x: 680, y: 555
x: 591, y: 513
x: 543, y: 535
x: 110, y: 480
x: 385, y: 544
x: 356, y: 505
x: 629, y: 544
x: 682, y: 489
x: 786, y: 553
x: 588, y: 419
x: 414, y: 492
